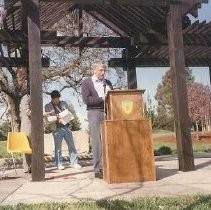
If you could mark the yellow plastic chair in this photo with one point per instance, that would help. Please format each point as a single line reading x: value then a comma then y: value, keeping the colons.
x: 17, y: 142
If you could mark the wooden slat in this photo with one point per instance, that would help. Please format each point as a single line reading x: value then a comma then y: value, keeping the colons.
x: 147, y: 3
x: 139, y: 13
x: 104, y: 20
x: 50, y: 38
x: 133, y: 21
x: 115, y: 19
x: 93, y: 42
x: 114, y: 27
x: 20, y: 62
x: 159, y: 62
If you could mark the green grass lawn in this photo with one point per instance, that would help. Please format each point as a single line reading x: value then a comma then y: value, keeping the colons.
x: 197, y: 147
x: 3, y: 150
x: 153, y: 203
x: 160, y: 133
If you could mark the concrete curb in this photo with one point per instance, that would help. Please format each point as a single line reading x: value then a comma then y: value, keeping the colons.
x: 174, y: 156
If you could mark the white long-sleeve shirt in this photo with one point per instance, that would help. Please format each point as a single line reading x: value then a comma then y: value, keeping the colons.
x: 99, y: 86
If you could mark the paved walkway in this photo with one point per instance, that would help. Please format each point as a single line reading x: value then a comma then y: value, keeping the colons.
x: 72, y: 185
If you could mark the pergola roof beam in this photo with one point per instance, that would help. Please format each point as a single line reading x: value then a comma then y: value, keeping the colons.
x: 48, y: 38
x: 19, y: 62
x: 159, y: 62
x: 147, y: 3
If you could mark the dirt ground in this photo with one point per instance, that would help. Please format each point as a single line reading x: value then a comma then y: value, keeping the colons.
x: 202, y: 138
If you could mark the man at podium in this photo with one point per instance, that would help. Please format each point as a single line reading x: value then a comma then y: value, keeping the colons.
x: 93, y: 92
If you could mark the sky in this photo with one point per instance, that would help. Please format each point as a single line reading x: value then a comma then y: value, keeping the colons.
x: 147, y: 78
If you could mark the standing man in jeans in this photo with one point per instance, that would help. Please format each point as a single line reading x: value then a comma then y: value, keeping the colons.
x: 93, y: 94
x: 61, y: 131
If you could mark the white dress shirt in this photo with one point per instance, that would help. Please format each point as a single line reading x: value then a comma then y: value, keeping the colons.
x: 99, y: 86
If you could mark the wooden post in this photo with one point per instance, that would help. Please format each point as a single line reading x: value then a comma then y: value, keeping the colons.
x: 80, y: 27
x: 24, y: 48
x: 131, y: 78
x: 177, y: 62
x: 35, y: 74
x: 131, y: 69
x: 80, y: 21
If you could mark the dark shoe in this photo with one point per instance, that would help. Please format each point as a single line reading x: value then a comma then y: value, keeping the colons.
x: 28, y: 171
x: 99, y: 175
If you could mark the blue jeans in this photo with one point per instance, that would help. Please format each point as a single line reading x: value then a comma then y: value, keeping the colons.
x: 64, y: 133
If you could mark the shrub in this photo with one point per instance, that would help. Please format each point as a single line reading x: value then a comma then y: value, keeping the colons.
x: 164, y: 150
x: 5, y: 127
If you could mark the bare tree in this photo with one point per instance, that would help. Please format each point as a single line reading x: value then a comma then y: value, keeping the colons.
x: 68, y: 68
x: 73, y: 64
x: 3, y: 106
x: 13, y: 85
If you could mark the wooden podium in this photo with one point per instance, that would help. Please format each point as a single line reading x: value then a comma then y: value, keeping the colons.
x: 127, y: 139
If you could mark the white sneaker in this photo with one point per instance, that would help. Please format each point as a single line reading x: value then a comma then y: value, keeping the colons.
x: 60, y: 167
x: 76, y: 166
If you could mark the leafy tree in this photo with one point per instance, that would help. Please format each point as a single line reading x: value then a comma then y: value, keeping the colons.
x: 199, y: 101
x: 3, y: 106
x: 165, y: 109
x: 150, y: 112
x: 75, y: 124
x: 5, y: 127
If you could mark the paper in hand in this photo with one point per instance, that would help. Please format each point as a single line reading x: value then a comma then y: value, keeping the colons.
x: 65, y: 116
x: 52, y: 118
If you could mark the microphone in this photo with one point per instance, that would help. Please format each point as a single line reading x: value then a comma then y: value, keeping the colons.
x: 104, y: 85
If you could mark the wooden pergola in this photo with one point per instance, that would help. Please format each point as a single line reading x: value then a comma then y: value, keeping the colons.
x: 153, y: 33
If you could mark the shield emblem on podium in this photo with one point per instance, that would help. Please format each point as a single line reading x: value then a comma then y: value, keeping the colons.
x: 127, y: 106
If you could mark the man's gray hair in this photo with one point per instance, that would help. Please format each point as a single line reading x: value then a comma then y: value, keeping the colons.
x: 95, y: 65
